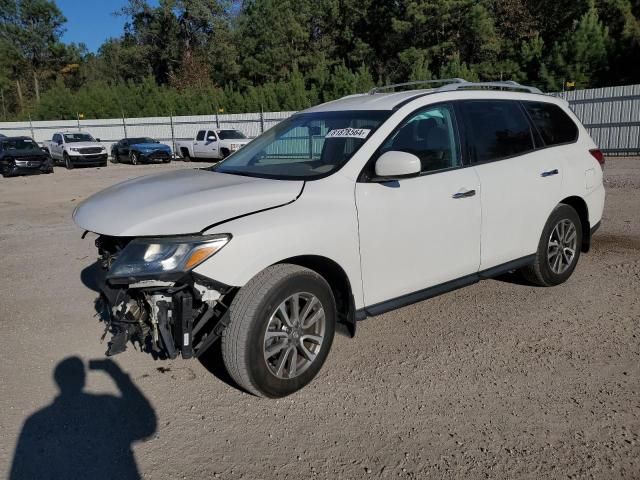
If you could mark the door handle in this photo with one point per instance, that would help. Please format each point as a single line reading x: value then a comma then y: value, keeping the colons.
x: 550, y: 173
x: 467, y: 194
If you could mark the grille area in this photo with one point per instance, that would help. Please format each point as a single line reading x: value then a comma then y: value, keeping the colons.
x: 89, y: 150
x: 159, y: 154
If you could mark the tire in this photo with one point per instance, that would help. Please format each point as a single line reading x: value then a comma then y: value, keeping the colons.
x: 133, y: 158
x: 67, y: 161
x: 563, y: 227
x: 186, y: 157
x: 225, y: 153
x: 114, y: 157
x: 256, y: 308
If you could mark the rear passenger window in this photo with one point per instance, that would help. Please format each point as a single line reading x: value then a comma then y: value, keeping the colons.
x: 200, y: 135
x: 430, y: 135
x: 554, y: 125
x: 496, y: 129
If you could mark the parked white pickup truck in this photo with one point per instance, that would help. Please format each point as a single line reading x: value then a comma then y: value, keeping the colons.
x: 212, y: 143
x: 76, y: 148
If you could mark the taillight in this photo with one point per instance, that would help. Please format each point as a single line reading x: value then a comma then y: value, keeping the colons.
x: 598, y: 155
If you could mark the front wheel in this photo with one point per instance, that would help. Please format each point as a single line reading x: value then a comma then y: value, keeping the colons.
x: 558, y: 249
x: 135, y: 159
x: 280, y: 332
x: 67, y: 161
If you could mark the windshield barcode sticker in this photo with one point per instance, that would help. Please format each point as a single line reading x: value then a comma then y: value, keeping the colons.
x: 349, y: 133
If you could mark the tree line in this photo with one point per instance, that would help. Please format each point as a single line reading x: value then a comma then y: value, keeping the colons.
x: 200, y: 56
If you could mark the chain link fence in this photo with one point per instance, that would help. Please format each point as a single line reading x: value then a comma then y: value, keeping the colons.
x: 168, y: 130
x: 611, y: 115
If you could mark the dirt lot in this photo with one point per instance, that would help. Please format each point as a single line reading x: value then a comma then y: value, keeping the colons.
x: 497, y: 380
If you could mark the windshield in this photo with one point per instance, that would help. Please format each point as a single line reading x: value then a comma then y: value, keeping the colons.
x: 78, y: 137
x: 137, y: 141
x: 305, y: 146
x: 230, y: 135
x: 19, y: 144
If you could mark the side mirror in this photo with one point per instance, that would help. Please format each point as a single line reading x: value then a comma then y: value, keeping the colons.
x: 394, y: 165
x: 211, y: 138
x: 97, y: 139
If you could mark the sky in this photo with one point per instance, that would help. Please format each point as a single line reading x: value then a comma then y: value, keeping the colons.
x: 92, y: 21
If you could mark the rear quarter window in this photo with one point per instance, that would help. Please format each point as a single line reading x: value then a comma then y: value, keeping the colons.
x: 496, y: 129
x: 554, y: 125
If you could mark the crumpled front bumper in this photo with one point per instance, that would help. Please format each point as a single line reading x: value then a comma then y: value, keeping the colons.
x: 164, y: 318
x: 18, y: 167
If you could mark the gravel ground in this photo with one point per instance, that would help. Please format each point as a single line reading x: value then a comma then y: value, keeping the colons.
x: 497, y: 380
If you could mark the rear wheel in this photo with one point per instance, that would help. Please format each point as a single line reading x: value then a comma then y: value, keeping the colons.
x: 558, y: 249
x: 114, y: 156
x: 67, y: 161
x: 185, y: 156
x: 280, y: 332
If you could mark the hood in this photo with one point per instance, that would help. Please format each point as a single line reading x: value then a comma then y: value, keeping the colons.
x: 84, y: 144
x: 179, y: 203
x: 151, y: 146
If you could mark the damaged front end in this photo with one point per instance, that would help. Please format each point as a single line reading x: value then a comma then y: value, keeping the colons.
x: 152, y: 298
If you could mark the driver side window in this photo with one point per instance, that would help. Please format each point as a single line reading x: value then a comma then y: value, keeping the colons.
x: 429, y: 134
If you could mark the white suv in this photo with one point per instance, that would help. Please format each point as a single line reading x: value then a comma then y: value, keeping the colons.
x: 346, y: 210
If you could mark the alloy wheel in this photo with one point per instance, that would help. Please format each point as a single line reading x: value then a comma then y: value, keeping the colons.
x: 561, y: 249
x: 294, y: 335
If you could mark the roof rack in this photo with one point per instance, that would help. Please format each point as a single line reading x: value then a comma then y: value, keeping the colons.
x: 419, y: 82
x: 453, y: 84
x: 505, y: 85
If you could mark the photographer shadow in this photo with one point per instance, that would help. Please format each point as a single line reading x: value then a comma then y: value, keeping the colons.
x: 83, y: 435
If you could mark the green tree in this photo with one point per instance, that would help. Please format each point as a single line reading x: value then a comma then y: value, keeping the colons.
x: 31, y: 31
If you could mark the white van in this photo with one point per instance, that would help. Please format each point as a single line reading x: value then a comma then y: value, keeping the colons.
x: 346, y: 210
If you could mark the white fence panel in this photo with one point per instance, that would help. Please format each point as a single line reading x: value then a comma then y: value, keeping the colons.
x: 611, y: 115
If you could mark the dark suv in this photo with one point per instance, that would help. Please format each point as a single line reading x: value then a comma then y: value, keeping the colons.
x: 23, y: 156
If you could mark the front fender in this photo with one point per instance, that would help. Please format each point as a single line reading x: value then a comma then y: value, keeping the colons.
x: 322, y: 222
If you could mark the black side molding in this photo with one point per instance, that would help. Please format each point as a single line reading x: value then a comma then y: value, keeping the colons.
x: 420, y: 295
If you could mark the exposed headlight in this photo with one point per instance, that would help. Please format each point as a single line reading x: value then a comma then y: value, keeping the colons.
x: 74, y: 149
x: 154, y: 257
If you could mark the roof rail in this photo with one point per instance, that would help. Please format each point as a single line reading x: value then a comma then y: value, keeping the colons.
x: 453, y: 81
x: 452, y: 84
x: 505, y: 85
